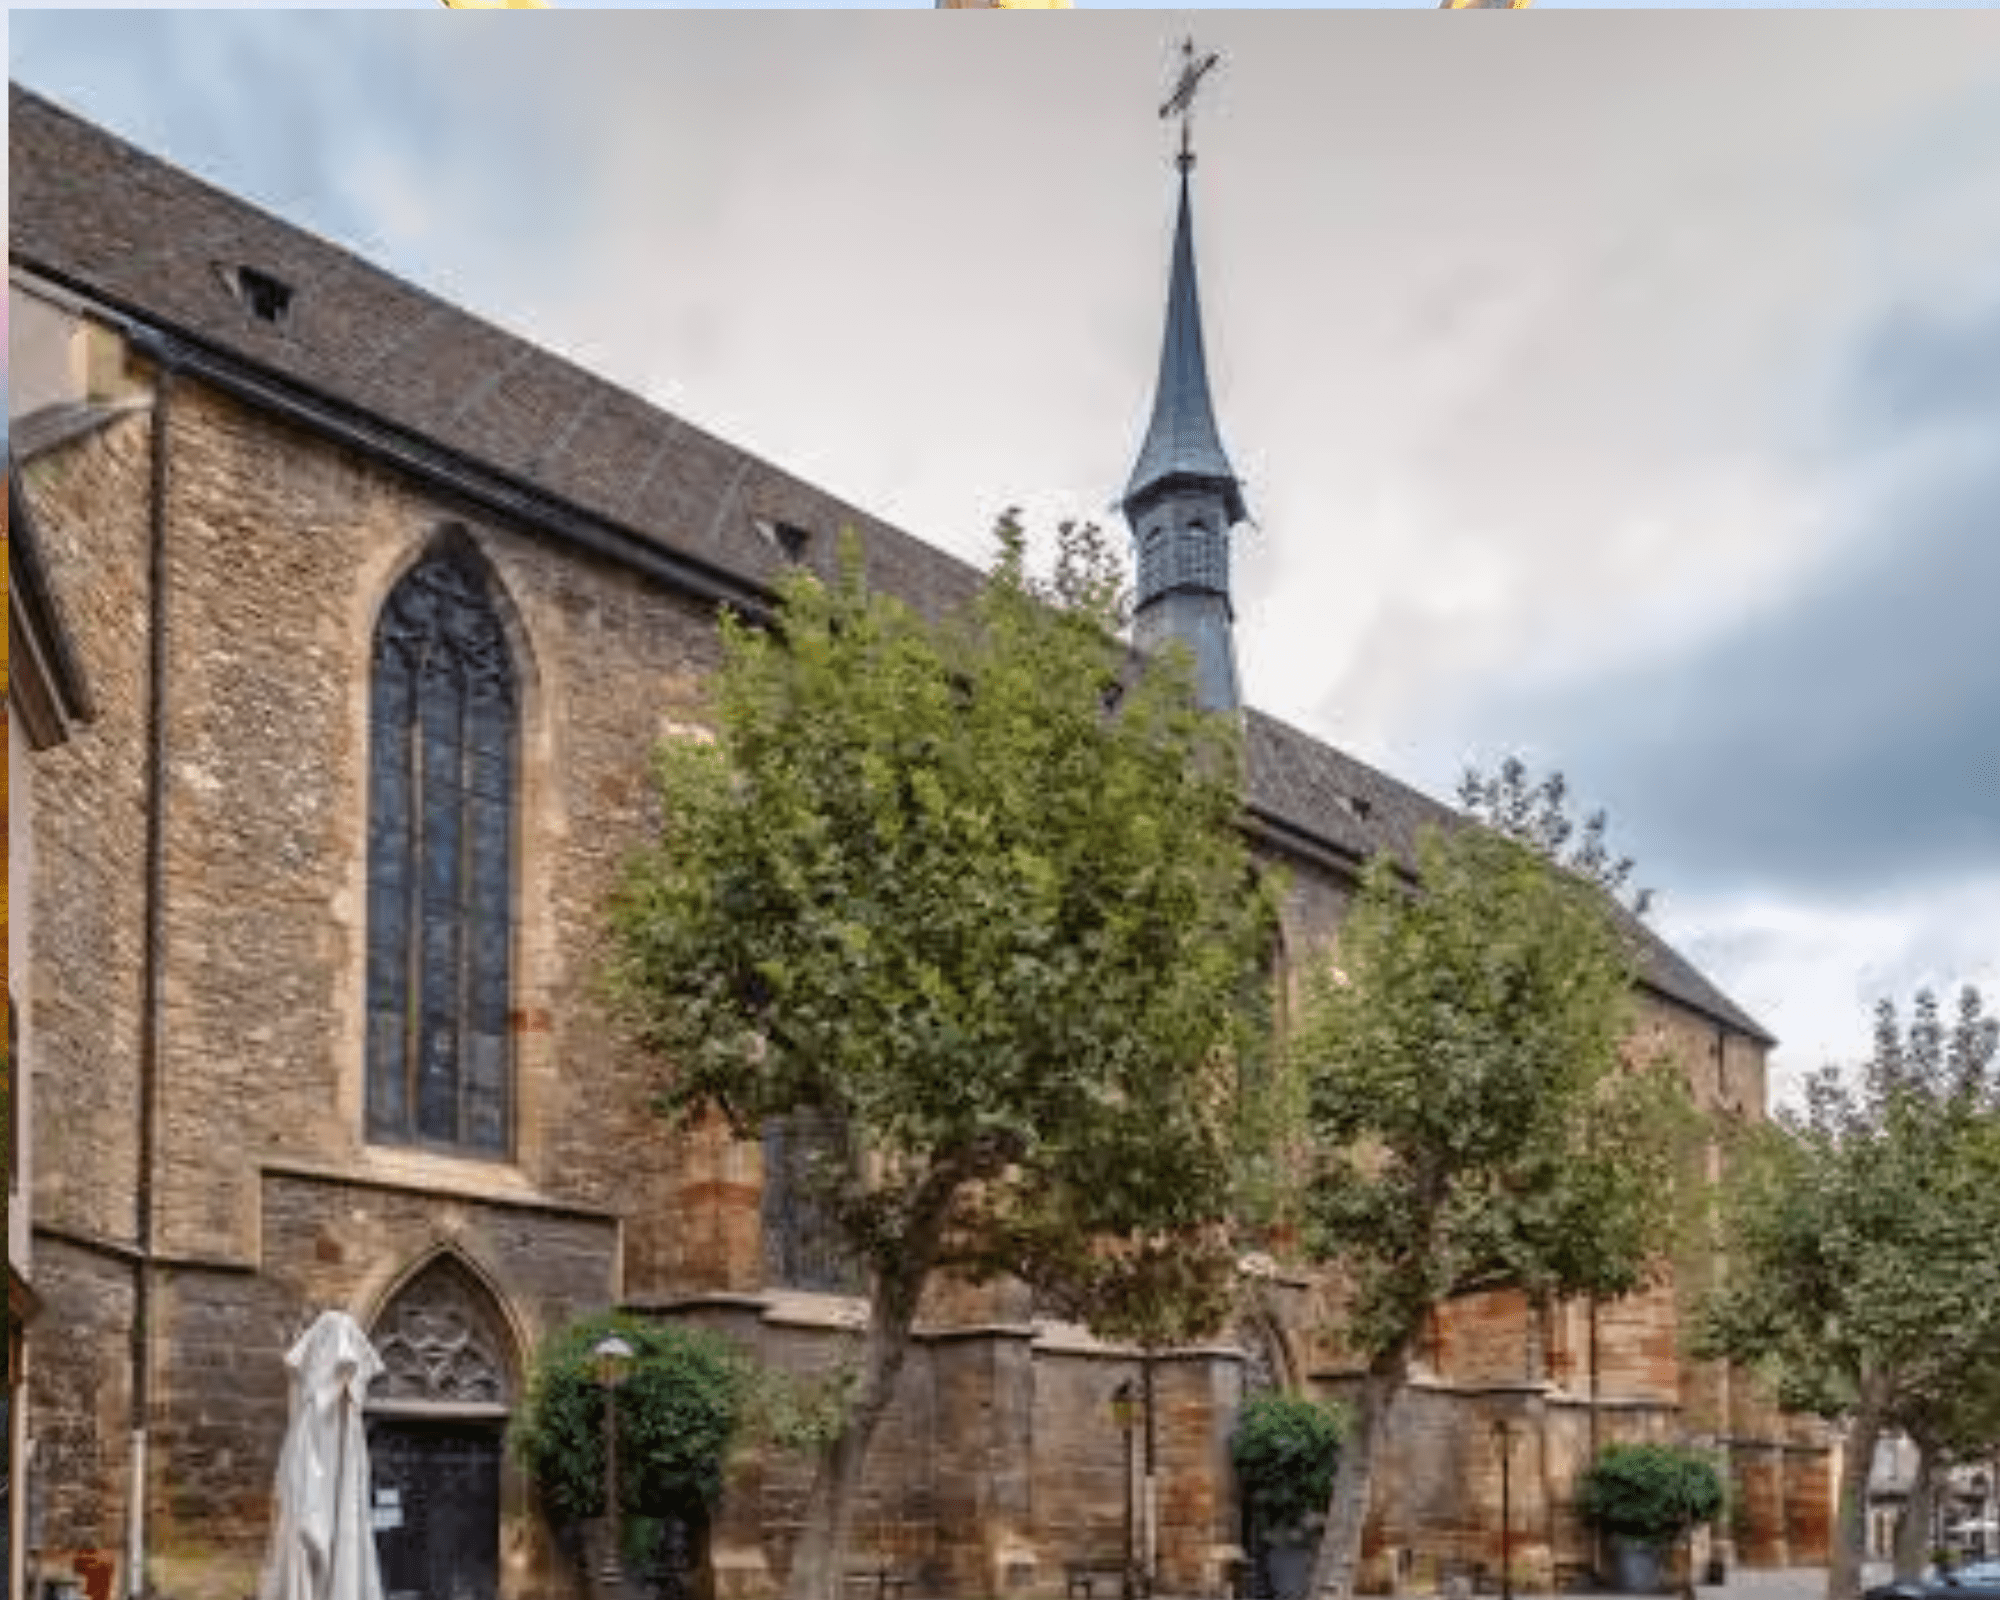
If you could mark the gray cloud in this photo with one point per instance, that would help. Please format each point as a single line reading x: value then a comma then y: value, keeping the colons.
x: 314, y: 115
x: 1845, y: 738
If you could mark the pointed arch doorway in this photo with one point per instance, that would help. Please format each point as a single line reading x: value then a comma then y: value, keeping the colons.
x: 437, y: 1420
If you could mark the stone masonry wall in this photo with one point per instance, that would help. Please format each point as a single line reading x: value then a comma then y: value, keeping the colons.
x: 82, y: 986
x: 221, y: 1401
x: 282, y: 552
x: 80, y: 1397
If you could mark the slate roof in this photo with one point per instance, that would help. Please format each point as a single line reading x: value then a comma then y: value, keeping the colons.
x: 148, y: 240
x: 1307, y: 786
x: 133, y: 234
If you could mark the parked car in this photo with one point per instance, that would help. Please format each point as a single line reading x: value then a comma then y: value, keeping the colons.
x: 1978, y: 1581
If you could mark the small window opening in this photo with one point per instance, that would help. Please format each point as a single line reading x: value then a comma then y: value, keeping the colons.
x: 790, y: 539
x: 268, y: 299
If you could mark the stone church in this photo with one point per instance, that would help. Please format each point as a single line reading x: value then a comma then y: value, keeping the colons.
x: 378, y: 610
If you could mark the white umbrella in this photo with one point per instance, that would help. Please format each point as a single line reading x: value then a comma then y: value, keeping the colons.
x: 324, y: 1544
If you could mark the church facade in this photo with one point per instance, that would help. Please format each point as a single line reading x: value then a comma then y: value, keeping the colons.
x: 382, y: 609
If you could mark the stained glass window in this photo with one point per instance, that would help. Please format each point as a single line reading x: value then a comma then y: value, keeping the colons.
x: 440, y: 862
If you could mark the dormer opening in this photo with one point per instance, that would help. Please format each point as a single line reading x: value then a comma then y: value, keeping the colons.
x: 267, y: 298
x: 791, y: 540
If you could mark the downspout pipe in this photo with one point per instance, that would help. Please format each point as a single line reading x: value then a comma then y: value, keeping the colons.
x: 151, y: 978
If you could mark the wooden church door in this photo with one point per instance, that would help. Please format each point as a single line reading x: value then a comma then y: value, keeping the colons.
x: 436, y: 1499
x: 436, y: 1418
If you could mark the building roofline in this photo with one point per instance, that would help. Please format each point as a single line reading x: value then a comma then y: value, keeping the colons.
x: 1310, y: 797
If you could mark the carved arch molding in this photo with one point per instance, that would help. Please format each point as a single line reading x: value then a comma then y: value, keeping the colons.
x: 443, y: 1341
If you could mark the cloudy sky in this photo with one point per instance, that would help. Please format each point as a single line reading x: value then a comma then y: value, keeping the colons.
x: 1621, y: 390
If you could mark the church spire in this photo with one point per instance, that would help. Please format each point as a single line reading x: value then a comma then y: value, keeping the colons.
x: 1183, y: 441
x: 1184, y: 496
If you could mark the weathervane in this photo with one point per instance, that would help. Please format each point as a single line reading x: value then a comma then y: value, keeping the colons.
x: 1181, y: 102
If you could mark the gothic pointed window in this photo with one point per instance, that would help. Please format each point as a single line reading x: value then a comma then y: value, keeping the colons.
x: 440, y: 862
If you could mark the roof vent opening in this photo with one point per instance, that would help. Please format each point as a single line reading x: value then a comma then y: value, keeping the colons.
x: 266, y: 298
x: 790, y: 539
x: 1356, y: 806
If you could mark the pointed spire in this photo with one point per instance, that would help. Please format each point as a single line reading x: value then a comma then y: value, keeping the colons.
x: 1182, y: 442
x: 1184, y: 498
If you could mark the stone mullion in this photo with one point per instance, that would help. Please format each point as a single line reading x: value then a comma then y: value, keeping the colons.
x: 413, y: 903
x: 465, y: 950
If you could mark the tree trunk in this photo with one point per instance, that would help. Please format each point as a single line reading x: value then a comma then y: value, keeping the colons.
x: 1339, y: 1558
x: 1843, y: 1576
x: 820, y: 1555
x: 1913, y: 1533
x: 821, y: 1552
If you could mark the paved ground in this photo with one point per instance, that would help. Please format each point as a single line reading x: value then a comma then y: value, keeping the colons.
x: 1789, y: 1583
x: 1764, y: 1583
x: 1783, y: 1583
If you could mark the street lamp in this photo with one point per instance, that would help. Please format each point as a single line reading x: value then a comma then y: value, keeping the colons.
x: 1503, y: 1431
x: 613, y: 1360
x: 1125, y: 1412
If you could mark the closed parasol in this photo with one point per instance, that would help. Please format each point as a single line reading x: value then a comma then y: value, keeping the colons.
x: 323, y: 1547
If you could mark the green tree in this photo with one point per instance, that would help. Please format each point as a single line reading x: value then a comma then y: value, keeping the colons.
x: 1513, y: 802
x: 1862, y: 1244
x: 676, y: 1412
x: 978, y: 893
x: 1654, y: 1493
x: 1477, y: 1122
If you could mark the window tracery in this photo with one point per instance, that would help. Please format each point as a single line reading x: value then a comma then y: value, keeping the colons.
x: 440, y: 1342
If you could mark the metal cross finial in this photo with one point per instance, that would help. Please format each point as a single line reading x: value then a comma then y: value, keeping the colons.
x: 1181, y: 102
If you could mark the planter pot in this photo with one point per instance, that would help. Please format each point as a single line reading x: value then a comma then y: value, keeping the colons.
x: 1638, y: 1567
x: 1288, y: 1566
x: 604, y: 1574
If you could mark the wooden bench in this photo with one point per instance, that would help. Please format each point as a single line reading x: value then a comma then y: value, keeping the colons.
x: 1080, y: 1578
x: 885, y: 1579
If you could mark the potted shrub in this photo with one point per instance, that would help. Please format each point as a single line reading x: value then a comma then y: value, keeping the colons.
x: 1286, y: 1449
x: 676, y: 1410
x: 1646, y: 1497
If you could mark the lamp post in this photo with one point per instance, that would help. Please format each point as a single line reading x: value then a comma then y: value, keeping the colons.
x: 613, y: 1357
x: 1503, y: 1431
x: 1125, y: 1412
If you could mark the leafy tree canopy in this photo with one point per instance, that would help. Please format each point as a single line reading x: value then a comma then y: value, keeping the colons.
x: 1862, y: 1235
x: 976, y: 891
x: 1536, y: 812
x: 1864, y: 1228
x: 1479, y: 1119
x: 925, y: 879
